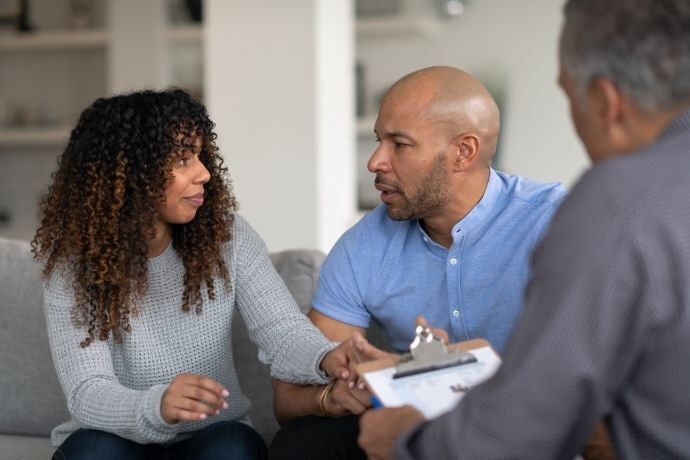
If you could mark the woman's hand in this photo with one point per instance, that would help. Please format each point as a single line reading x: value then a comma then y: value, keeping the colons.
x: 335, y: 362
x: 192, y: 397
x: 341, y: 362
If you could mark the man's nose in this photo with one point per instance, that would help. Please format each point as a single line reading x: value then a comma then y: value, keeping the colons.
x: 379, y: 159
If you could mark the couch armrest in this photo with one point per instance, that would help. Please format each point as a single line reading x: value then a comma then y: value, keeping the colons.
x: 31, y: 398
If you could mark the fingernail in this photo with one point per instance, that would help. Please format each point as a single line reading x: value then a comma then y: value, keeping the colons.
x: 225, y: 405
x: 351, y: 384
x: 362, y: 386
x: 226, y: 393
x: 202, y: 416
x: 218, y: 412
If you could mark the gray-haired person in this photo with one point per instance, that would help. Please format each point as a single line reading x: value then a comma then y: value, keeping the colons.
x: 605, y: 331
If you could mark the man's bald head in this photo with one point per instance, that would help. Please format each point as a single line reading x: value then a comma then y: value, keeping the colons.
x: 452, y: 98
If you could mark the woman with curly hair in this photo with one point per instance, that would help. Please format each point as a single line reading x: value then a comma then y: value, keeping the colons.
x: 144, y: 261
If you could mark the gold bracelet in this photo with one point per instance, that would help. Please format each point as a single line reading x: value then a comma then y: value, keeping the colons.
x: 322, y: 399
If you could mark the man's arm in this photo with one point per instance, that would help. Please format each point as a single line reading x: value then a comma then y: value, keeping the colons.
x: 291, y: 401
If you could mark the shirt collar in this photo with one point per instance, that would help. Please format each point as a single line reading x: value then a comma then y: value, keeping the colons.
x: 680, y: 124
x: 479, y: 213
x: 482, y: 209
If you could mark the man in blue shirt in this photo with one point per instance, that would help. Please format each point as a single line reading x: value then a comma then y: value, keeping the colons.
x: 451, y: 241
x: 605, y: 330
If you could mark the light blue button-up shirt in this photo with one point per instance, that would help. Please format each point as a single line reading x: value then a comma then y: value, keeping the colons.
x: 391, y: 271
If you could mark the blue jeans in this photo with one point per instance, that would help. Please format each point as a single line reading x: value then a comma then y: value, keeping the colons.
x: 222, y: 441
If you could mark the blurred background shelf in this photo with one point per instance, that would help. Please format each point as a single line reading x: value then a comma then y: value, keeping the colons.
x: 34, y: 137
x: 365, y: 126
x: 188, y: 33
x: 396, y: 26
x: 54, y: 40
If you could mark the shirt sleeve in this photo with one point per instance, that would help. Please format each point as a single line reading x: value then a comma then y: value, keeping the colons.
x: 286, y: 338
x: 343, y: 281
x: 95, y: 397
x: 580, y: 335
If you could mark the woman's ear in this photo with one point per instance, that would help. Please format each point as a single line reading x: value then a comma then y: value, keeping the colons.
x: 467, y: 147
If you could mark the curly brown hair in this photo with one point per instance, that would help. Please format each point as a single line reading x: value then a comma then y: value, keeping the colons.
x: 98, y: 214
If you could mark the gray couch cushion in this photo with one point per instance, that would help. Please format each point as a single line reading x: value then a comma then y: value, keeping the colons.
x: 300, y: 271
x: 25, y: 448
x: 31, y: 398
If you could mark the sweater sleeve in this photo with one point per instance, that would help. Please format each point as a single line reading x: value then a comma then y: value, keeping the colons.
x: 287, y: 340
x: 95, y: 397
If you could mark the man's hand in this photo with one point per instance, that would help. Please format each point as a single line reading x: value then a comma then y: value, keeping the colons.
x: 362, y: 351
x: 440, y: 333
x: 343, y: 400
x: 379, y: 429
x: 192, y: 397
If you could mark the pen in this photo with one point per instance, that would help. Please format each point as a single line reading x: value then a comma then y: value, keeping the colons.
x: 375, y: 402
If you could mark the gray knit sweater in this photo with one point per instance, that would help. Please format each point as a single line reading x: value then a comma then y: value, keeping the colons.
x: 118, y: 387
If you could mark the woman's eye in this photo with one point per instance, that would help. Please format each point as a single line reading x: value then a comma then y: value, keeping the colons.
x: 181, y: 162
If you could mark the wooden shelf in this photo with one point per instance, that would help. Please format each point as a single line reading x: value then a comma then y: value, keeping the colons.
x: 395, y: 26
x: 34, y: 137
x: 42, y: 41
x: 188, y: 33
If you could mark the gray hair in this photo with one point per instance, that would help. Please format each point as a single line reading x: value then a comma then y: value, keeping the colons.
x: 642, y: 46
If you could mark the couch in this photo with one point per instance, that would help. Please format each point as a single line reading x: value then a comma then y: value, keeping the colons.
x: 31, y: 400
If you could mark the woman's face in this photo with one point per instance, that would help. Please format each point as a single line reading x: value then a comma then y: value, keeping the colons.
x: 184, y: 192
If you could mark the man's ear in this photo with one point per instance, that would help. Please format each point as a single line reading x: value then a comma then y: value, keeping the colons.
x: 611, y: 108
x: 467, y: 147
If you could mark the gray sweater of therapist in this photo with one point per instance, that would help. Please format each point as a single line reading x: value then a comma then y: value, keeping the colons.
x: 117, y: 387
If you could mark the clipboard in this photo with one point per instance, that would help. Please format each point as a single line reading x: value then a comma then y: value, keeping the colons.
x: 433, y: 378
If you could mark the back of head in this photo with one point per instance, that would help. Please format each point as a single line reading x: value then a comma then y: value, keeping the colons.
x: 642, y: 46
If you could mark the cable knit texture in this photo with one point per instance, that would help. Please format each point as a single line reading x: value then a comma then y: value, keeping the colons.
x: 118, y: 387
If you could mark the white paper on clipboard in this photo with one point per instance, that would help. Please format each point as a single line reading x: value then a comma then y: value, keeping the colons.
x: 435, y: 392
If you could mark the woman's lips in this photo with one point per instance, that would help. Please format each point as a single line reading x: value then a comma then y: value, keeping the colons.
x: 196, y: 200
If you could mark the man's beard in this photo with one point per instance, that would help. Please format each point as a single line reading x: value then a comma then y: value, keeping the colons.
x: 432, y: 193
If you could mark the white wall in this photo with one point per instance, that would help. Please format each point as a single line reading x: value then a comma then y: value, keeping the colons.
x: 511, y: 45
x: 136, y: 56
x: 278, y: 82
x: 279, y: 86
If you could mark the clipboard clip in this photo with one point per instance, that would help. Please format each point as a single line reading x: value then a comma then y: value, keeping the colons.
x: 429, y: 353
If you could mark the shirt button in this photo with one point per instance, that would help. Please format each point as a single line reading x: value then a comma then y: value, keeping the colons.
x: 456, y: 313
x: 453, y: 261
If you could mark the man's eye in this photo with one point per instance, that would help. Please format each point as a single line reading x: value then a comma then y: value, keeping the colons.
x: 398, y: 145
